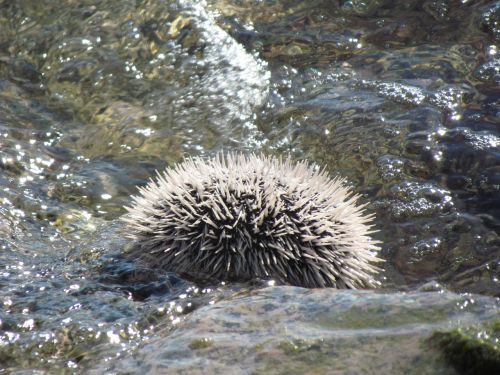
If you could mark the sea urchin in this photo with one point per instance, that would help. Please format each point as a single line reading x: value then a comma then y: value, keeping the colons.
x: 238, y: 217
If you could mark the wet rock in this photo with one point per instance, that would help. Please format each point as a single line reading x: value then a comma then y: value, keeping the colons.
x: 391, y: 167
x: 362, y: 8
x: 489, y: 72
x: 414, y: 199
x: 21, y: 70
x: 437, y: 8
x: 490, y: 19
x: 472, y: 349
x: 283, y: 329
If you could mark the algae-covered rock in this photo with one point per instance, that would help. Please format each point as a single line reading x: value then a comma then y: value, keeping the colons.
x: 474, y: 349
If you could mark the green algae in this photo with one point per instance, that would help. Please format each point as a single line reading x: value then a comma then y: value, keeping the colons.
x: 202, y: 343
x: 349, y: 355
x: 473, y: 349
x: 294, y: 346
x: 381, y: 317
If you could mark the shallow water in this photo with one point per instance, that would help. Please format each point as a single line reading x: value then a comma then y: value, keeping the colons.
x: 95, y: 96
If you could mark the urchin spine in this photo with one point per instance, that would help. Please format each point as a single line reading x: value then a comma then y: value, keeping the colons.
x: 240, y: 217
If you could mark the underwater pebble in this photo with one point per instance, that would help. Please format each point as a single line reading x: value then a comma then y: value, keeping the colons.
x: 489, y: 72
x: 415, y: 199
x: 390, y: 167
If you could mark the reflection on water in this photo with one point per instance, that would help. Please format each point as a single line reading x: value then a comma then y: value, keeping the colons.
x: 402, y: 99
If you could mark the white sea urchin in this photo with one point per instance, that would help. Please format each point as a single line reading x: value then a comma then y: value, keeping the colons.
x: 238, y: 217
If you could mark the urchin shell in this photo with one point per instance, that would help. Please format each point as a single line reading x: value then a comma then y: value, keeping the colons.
x: 237, y: 217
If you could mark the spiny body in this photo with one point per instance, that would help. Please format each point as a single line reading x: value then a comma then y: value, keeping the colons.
x: 237, y: 217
